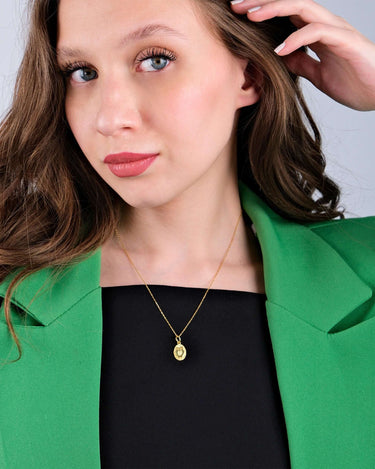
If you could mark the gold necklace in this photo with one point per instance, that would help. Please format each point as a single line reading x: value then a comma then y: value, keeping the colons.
x: 179, y: 351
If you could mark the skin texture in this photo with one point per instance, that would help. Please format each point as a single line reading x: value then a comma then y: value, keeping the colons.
x: 180, y: 213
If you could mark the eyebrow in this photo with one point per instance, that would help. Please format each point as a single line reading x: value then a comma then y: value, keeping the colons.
x: 140, y: 33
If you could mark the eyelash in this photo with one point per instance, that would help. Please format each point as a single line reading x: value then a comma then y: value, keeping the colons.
x: 152, y: 53
x: 155, y: 52
x: 69, y: 68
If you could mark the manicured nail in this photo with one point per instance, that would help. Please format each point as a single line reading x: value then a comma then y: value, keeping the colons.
x: 279, y: 48
x: 234, y: 2
x: 253, y: 9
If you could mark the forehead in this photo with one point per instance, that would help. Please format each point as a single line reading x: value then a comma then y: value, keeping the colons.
x: 90, y: 20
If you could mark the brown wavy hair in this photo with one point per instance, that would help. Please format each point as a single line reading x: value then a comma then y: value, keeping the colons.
x: 55, y: 209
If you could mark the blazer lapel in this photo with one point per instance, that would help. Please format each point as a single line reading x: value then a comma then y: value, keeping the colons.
x: 303, y: 273
x: 49, y: 293
x: 51, y: 395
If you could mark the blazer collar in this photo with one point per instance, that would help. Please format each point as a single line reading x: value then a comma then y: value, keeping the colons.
x: 303, y: 274
x: 48, y: 293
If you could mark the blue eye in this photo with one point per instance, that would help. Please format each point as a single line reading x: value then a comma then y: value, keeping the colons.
x: 159, y: 62
x: 154, y: 59
x: 79, y: 72
x: 157, y: 59
x: 84, y: 74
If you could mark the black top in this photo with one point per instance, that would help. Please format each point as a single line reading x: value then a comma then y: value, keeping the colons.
x: 218, y: 408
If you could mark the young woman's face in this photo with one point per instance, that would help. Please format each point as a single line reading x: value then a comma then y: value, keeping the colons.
x: 180, y: 105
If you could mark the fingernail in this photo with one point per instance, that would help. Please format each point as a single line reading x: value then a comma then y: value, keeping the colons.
x: 279, y: 48
x: 253, y: 9
x: 234, y: 2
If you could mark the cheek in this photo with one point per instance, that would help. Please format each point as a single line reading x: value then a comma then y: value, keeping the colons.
x: 78, y: 117
x: 72, y: 113
x: 198, y: 112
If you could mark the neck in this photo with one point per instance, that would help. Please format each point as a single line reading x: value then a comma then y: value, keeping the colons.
x: 194, y: 226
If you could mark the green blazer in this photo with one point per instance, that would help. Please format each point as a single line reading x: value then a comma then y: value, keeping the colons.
x: 320, y: 280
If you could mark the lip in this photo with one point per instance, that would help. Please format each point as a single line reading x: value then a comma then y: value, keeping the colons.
x: 129, y: 164
x: 126, y: 157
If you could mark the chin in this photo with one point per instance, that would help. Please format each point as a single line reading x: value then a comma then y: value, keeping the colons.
x: 144, y: 201
x: 150, y: 193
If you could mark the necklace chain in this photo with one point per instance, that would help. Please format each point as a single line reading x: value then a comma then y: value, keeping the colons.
x: 178, y: 336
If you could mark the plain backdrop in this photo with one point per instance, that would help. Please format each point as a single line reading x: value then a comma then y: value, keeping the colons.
x: 348, y: 135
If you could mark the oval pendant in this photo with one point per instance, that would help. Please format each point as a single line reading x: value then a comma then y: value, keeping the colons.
x: 179, y: 352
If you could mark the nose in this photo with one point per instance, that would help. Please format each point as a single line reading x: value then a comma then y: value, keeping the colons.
x: 117, y: 108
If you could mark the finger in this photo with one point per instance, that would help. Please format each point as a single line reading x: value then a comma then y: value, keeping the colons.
x: 305, y: 66
x: 307, y: 11
x: 297, y: 21
x: 321, y: 34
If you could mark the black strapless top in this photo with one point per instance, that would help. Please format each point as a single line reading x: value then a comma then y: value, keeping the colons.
x: 218, y: 408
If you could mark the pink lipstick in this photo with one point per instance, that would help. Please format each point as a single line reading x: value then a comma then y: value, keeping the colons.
x: 129, y: 164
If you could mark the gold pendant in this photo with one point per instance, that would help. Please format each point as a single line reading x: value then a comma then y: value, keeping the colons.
x: 179, y: 351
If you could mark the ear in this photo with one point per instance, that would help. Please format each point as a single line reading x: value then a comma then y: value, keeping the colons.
x: 250, y: 91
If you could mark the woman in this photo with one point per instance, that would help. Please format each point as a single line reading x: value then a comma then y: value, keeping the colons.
x: 131, y: 125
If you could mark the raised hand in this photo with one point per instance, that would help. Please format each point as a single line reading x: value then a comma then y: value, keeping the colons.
x: 346, y: 70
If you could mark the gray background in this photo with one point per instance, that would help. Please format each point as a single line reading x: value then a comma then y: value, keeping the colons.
x: 348, y: 135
